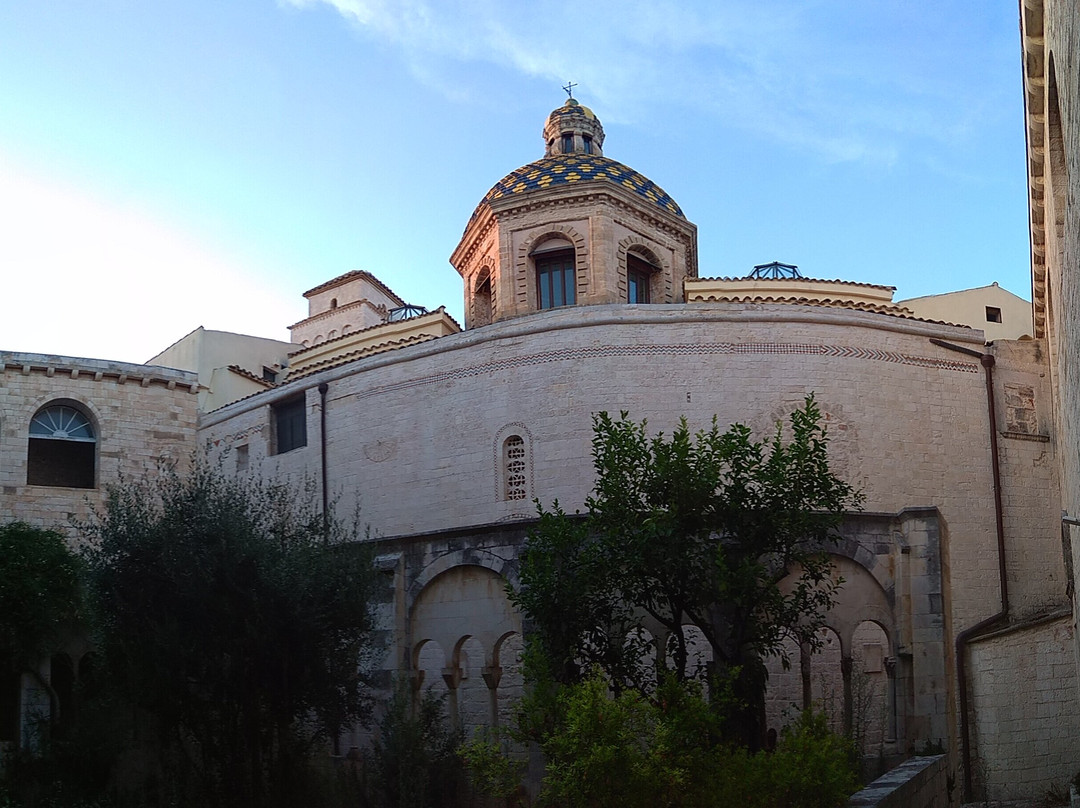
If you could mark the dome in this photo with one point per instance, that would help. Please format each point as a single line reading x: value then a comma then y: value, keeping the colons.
x: 571, y: 109
x: 568, y: 169
x: 573, y: 153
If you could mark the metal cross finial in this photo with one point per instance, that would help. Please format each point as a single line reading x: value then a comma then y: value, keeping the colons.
x: 570, y: 88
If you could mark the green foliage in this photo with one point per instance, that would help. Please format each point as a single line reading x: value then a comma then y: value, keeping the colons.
x: 493, y: 768
x: 414, y: 761
x: 712, y: 530
x: 236, y: 620
x: 627, y: 751
x: 40, y: 592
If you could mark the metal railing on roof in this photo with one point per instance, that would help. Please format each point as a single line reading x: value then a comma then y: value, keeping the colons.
x: 775, y: 270
x: 405, y: 312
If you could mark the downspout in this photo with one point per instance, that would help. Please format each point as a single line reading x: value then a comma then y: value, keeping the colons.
x: 972, y: 632
x: 323, y: 388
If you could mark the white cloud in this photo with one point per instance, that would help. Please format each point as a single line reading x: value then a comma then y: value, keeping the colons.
x: 776, y: 68
x: 82, y: 276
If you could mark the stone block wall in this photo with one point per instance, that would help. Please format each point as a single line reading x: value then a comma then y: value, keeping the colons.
x: 1026, y: 719
x: 921, y: 782
x: 141, y: 415
x: 417, y: 437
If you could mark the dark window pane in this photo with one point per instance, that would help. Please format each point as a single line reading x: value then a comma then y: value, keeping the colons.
x: 555, y: 279
x: 567, y: 144
x: 638, y: 276
x: 290, y: 421
x: 60, y: 463
x: 586, y: 142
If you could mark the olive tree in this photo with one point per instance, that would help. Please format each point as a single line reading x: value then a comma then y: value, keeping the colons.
x: 236, y: 617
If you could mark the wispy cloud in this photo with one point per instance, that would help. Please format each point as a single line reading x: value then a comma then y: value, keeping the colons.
x: 807, y: 74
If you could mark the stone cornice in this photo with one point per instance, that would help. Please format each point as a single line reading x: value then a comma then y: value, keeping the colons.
x: 471, y: 239
x: 1034, y: 59
x: 590, y: 193
x: 98, y: 370
x: 323, y: 315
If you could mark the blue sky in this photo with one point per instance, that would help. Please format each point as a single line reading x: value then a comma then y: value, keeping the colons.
x: 165, y: 165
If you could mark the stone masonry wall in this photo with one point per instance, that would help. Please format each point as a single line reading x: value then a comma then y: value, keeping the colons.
x: 921, y: 782
x: 417, y: 437
x: 141, y: 415
x: 1026, y: 728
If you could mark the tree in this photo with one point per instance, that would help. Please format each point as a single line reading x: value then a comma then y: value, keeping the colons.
x: 712, y: 530
x: 40, y: 601
x: 237, y: 619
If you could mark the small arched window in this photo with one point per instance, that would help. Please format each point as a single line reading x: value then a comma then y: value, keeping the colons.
x: 62, y: 448
x: 333, y: 302
x: 514, y: 467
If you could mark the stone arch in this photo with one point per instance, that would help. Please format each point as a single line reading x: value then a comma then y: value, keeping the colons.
x: 853, y: 550
x: 872, y: 686
x: 427, y: 661
x: 469, y: 557
x: 784, y: 693
x: 524, y: 271
x: 826, y: 673
x: 482, y: 295
x: 660, y: 287
x: 861, y: 598
x: 469, y: 661
x: 648, y: 643
x: 463, y: 608
x: 506, y: 675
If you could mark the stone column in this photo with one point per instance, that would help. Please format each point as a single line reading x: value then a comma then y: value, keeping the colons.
x: 452, y: 677
x: 492, y: 674
x: 804, y: 670
x: 846, y: 667
x: 890, y: 694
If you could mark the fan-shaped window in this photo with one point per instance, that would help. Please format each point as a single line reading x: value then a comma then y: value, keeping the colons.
x: 62, y: 448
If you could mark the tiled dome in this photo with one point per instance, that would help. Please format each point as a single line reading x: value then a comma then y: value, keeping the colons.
x: 566, y: 169
x: 571, y: 108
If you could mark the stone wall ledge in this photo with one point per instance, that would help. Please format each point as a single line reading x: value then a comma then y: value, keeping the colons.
x: 919, y: 782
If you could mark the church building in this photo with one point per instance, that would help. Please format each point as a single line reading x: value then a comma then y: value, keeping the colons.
x: 583, y: 294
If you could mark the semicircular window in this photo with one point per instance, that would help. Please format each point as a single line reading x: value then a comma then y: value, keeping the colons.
x: 61, y: 449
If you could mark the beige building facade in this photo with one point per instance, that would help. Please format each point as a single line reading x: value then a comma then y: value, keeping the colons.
x: 997, y: 312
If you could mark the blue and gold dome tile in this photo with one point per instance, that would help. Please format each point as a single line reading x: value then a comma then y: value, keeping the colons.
x: 563, y: 169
